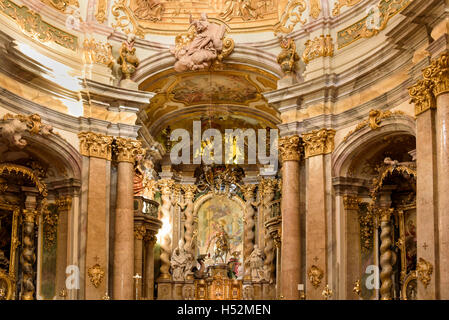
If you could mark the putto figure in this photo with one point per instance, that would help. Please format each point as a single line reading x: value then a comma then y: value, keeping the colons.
x: 128, y: 59
x: 200, y: 49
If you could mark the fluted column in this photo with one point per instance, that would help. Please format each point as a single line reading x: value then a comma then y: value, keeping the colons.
x: 438, y: 73
x: 291, y: 241
x: 123, y: 282
x: 150, y: 240
x: 317, y: 144
x: 426, y: 185
x: 96, y: 150
x: 28, y: 256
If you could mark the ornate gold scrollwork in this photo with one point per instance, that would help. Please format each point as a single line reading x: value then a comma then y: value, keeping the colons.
x: 438, y: 73
x: 357, y: 289
x: 351, y: 202
x: 327, y: 292
x: 421, y: 94
x: 31, y: 24
x: 289, y: 148
x: 293, y: 14
x: 100, y: 14
x: 315, y: 8
x: 321, y: 46
x: 318, y: 142
x: 97, y: 52
x: 341, y: 3
x: 26, y: 172
x: 315, y: 274
x: 424, y: 270
x: 375, y: 117
x: 96, y: 274
x: 139, y: 232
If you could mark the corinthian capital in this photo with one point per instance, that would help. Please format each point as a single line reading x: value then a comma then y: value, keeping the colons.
x: 166, y: 186
x: 318, y: 142
x: 128, y: 149
x: 421, y: 95
x: 95, y: 145
x: 438, y: 73
x: 289, y: 148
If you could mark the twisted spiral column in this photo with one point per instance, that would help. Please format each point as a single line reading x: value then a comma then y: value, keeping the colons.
x: 165, y: 186
x: 28, y: 257
x: 268, y: 186
x: 189, y: 191
x: 386, y: 255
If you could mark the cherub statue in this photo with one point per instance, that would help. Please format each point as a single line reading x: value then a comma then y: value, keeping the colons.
x: 128, y: 59
x: 288, y: 57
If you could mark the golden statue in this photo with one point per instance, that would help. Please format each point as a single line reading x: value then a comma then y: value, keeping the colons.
x: 288, y: 56
x: 128, y: 59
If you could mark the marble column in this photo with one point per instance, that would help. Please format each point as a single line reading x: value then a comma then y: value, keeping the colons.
x: 150, y: 240
x: 317, y: 144
x: 426, y: 185
x: 97, y: 152
x: 352, y: 246
x: 291, y: 238
x: 139, y: 233
x: 438, y: 72
x: 123, y: 282
x: 386, y: 254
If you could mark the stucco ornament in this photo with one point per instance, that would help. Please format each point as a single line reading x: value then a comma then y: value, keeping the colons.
x: 128, y: 59
x: 203, y: 46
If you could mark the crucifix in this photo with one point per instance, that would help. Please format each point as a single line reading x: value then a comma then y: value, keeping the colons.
x: 425, y: 246
x: 315, y: 259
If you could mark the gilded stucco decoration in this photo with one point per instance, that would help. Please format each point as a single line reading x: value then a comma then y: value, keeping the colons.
x: 321, y: 46
x: 374, y: 120
x: 170, y: 16
x: 375, y: 21
x: 292, y: 15
x: 128, y: 150
x: 351, y: 202
x: 315, y: 275
x: 318, y: 142
x: 288, y: 57
x: 33, y: 26
x: 424, y: 269
x: 436, y: 81
x: 366, y: 221
x: 50, y: 225
x: 96, y: 274
x: 315, y: 8
x: 97, y: 52
x: 438, y: 73
x: 289, y: 148
x: 95, y: 145
x: 61, y: 5
x: 100, y: 13
x: 341, y: 3
x: 26, y: 172
x: 204, y: 45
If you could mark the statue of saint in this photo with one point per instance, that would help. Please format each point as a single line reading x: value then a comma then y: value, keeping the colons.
x: 221, y: 244
x: 256, y: 264
x: 178, y: 262
x: 203, y: 49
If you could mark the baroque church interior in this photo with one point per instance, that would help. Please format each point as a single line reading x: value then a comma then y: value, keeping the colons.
x: 224, y: 149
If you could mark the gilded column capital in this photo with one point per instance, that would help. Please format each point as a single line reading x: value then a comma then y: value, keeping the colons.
x: 351, y: 202
x: 289, y: 148
x: 318, y: 142
x: 150, y: 237
x: 438, y: 73
x: 128, y: 149
x: 385, y: 214
x: 64, y: 203
x: 30, y: 215
x: 422, y: 96
x: 189, y: 190
x: 95, y: 145
x: 166, y: 186
x: 139, y: 232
